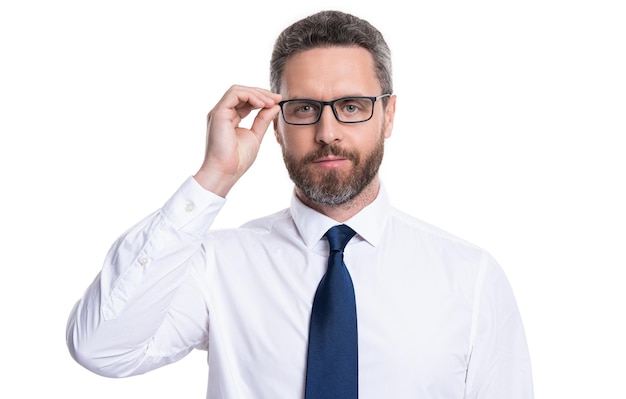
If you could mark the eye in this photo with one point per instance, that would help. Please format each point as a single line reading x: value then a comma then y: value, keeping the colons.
x: 301, y: 108
x: 304, y: 108
x: 351, y: 106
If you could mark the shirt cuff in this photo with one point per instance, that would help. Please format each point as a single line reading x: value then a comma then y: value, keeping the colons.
x: 192, y: 209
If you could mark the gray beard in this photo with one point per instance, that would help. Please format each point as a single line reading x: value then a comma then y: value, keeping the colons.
x: 330, y: 188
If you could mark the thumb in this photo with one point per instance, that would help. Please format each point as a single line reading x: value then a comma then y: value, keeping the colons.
x: 263, y: 119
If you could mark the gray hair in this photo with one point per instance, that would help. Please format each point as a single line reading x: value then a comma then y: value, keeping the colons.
x: 331, y: 29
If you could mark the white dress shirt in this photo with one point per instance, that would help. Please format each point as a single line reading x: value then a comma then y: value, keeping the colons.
x: 436, y: 315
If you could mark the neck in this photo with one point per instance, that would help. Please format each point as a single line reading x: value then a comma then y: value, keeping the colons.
x: 345, y: 211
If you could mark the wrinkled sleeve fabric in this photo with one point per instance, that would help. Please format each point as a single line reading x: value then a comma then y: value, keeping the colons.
x: 499, y: 365
x: 145, y: 309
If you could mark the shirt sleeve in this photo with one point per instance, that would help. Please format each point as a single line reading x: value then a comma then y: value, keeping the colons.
x: 499, y: 365
x: 144, y: 308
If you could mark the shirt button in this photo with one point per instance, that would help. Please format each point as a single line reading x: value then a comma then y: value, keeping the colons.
x: 143, y: 261
x: 189, y: 207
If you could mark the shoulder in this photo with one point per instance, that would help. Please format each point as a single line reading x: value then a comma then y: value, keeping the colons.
x: 437, y: 242
x: 413, y: 226
x: 279, y: 221
x: 266, y: 224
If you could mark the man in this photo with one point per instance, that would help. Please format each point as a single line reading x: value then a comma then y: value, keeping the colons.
x: 420, y: 313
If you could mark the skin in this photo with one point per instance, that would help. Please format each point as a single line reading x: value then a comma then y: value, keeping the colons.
x: 322, y: 74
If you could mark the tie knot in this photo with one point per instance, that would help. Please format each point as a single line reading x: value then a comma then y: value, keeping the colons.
x: 338, y: 236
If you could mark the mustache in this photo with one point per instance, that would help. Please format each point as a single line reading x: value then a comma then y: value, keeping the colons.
x: 330, y: 150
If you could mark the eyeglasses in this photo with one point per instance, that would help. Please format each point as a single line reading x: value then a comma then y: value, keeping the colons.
x: 346, y: 110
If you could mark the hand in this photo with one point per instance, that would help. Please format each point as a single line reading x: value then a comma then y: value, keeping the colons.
x: 231, y: 149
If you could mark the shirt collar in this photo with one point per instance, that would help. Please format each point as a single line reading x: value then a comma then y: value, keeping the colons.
x: 369, y: 223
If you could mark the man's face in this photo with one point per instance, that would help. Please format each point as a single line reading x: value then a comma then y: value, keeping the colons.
x: 332, y: 162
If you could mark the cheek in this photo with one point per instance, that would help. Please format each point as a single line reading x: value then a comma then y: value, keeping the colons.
x: 294, y: 142
x: 372, y: 139
x: 295, y: 148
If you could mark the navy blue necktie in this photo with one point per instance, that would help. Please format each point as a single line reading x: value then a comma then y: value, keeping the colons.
x: 332, y: 363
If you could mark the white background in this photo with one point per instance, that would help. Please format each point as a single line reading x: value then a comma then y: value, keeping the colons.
x: 509, y: 129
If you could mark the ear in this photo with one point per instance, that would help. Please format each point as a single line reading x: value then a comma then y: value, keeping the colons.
x: 390, y: 112
x: 277, y: 134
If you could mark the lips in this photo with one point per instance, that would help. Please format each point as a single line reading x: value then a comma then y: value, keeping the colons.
x: 330, y: 162
x: 330, y: 156
x: 330, y: 159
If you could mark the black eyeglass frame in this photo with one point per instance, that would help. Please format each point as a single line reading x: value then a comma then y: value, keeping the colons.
x: 332, y: 107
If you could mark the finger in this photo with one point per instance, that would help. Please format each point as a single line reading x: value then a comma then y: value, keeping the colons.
x: 263, y: 119
x: 239, y: 101
x: 244, y: 98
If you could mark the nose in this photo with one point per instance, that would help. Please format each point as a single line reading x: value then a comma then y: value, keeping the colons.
x: 327, y: 128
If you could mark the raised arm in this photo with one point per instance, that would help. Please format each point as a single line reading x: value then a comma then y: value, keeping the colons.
x: 144, y: 309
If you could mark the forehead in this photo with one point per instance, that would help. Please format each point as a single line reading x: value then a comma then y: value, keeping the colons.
x: 330, y: 72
